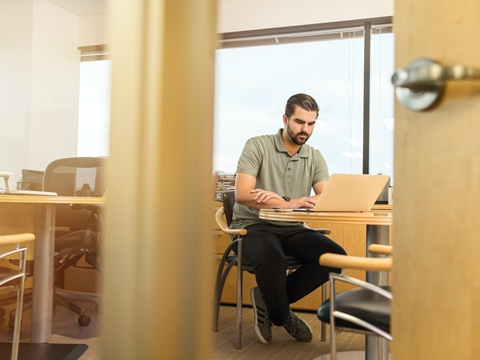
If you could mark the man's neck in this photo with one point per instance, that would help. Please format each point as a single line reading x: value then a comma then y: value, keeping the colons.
x: 290, y: 146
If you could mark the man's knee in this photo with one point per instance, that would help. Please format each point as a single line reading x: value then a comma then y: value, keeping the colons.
x: 335, y: 248
x: 341, y: 250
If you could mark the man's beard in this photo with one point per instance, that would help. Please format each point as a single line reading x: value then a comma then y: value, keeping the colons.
x: 295, y: 138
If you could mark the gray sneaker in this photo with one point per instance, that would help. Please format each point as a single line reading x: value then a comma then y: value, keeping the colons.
x: 298, y: 328
x: 262, y: 323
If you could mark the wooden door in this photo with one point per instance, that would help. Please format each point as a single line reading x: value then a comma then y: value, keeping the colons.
x: 436, y: 276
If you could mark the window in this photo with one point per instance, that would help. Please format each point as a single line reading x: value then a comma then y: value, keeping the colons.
x: 94, y: 108
x: 381, y: 103
x: 254, y: 81
x: 255, y: 75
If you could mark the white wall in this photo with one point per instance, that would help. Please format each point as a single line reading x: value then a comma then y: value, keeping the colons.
x: 55, y: 84
x: 39, y: 81
x: 15, y: 80
x: 241, y: 15
x: 93, y: 30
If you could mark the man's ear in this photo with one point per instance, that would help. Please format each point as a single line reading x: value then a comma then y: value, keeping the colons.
x: 285, y: 119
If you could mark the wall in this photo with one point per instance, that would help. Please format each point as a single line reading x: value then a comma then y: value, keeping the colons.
x: 241, y: 15
x: 93, y: 30
x: 39, y: 77
x: 15, y: 79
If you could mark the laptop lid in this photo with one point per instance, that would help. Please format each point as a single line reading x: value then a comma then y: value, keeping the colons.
x: 351, y: 192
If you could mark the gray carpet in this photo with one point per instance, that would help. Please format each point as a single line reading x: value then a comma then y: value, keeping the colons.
x: 282, y: 347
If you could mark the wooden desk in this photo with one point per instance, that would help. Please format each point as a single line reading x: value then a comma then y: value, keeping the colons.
x: 44, y: 229
x: 377, y: 223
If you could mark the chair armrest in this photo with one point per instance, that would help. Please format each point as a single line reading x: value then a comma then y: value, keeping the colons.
x: 323, y: 231
x: 219, y: 218
x: 320, y: 230
x: 15, y: 239
x: 96, y: 208
x: 380, y: 249
x: 356, y: 262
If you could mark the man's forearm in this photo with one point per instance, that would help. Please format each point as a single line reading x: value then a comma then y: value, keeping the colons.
x: 277, y: 202
x: 269, y: 204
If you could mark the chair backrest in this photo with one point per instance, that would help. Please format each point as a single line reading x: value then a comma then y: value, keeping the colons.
x: 78, y: 176
x: 228, y: 199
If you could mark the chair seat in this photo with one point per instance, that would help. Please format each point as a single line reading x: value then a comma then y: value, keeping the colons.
x: 6, y: 272
x: 293, y: 262
x: 361, y: 303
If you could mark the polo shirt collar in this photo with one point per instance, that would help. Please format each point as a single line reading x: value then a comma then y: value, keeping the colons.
x: 303, y: 152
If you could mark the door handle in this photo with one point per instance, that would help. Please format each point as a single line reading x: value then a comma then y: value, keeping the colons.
x: 422, y: 83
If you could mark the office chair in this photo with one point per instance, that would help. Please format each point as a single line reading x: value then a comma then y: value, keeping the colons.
x: 232, y: 256
x: 15, y: 277
x: 77, y: 226
x: 365, y: 309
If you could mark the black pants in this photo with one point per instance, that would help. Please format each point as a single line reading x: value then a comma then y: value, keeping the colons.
x: 266, y: 245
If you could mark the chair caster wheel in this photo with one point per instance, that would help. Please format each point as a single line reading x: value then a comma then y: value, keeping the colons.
x: 84, y: 320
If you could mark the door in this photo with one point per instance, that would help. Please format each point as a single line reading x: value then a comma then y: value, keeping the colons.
x: 436, y: 275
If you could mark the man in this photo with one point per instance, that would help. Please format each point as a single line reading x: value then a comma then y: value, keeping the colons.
x: 280, y: 171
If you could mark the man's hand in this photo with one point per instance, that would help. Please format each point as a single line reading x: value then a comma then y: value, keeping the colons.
x: 262, y: 196
x: 246, y: 194
x: 307, y: 202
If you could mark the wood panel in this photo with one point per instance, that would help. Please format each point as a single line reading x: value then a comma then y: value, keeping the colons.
x: 17, y: 219
x: 437, y: 176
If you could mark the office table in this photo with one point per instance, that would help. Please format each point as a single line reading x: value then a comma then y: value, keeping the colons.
x: 377, y: 223
x: 42, y: 302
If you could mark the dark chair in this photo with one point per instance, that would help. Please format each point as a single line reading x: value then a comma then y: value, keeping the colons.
x: 365, y: 309
x: 232, y: 256
x: 77, y: 227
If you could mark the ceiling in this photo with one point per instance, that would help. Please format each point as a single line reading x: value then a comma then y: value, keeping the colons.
x: 83, y: 7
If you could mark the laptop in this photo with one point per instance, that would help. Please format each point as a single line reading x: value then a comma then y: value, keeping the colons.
x: 351, y: 192
x: 7, y: 191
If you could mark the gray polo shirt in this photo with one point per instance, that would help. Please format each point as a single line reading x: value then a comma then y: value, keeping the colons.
x: 266, y: 159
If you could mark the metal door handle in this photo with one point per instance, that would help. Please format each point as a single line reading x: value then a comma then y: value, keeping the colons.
x: 421, y: 84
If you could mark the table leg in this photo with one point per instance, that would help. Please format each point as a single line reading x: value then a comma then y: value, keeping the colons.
x: 375, y: 347
x: 377, y: 234
x: 42, y: 302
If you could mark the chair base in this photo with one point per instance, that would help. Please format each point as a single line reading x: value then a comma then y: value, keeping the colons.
x: 346, y: 355
x: 65, y: 299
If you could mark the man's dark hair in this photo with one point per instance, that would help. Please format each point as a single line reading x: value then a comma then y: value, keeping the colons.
x: 305, y: 101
